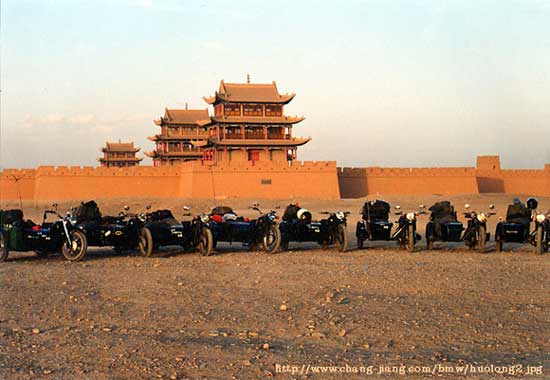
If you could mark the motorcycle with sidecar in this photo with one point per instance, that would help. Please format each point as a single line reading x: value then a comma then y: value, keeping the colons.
x: 443, y: 224
x: 475, y: 235
x: 297, y: 226
x: 405, y: 233
x: 374, y: 223
x: 17, y: 234
x: 516, y: 227
x: 263, y: 232
x: 126, y: 231
x: 190, y: 234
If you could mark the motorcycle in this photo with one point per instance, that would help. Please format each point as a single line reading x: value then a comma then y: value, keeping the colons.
x: 126, y: 231
x: 46, y: 238
x: 540, y: 237
x: 516, y: 227
x: 443, y: 224
x: 405, y: 233
x: 192, y: 234
x: 374, y: 223
x: 476, y: 235
x: 297, y: 226
x: 227, y: 226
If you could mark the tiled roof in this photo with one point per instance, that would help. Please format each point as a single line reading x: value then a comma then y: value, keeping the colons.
x: 120, y: 147
x: 194, y: 117
x: 249, y: 92
x: 295, y: 141
x: 259, y: 119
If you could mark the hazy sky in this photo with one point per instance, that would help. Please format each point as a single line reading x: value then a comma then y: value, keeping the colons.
x: 390, y: 83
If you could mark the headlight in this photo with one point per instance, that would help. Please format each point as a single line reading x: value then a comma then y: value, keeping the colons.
x: 142, y: 217
x: 340, y: 215
x: 205, y: 218
x: 541, y: 218
x: 482, y: 217
x: 271, y: 216
x: 411, y: 216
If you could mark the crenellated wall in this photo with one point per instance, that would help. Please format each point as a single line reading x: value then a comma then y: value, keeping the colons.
x: 359, y: 182
x: 486, y: 177
x: 189, y: 180
x: 321, y: 180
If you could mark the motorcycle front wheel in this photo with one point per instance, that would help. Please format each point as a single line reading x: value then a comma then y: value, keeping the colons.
x: 482, y: 239
x: 145, y: 243
x: 341, y: 238
x: 77, y: 249
x: 271, y: 241
x: 410, y: 239
x: 538, y: 242
x: 206, y: 242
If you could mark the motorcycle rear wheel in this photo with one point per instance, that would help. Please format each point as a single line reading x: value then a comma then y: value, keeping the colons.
x: 4, y: 252
x: 77, y: 250
x: 271, y: 242
x: 206, y: 242
x: 341, y: 238
x: 145, y: 243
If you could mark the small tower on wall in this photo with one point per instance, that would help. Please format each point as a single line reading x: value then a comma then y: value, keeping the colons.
x: 183, y: 135
x: 119, y: 155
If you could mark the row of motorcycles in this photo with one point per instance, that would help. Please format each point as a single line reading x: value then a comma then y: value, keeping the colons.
x: 145, y: 232
x: 444, y: 225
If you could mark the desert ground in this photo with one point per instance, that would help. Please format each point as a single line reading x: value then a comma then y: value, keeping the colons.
x: 307, y: 313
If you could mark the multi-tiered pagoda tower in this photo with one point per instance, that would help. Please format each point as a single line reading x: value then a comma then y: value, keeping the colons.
x: 119, y: 155
x: 249, y: 124
x: 182, y: 137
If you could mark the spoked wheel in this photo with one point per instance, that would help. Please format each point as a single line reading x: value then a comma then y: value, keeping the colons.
x: 3, y: 248
x: 272, y: 239
x: 538, y: 242
x: 430, y: 243
x: 76, y: 250
x: 145, y: 243
x: 206, y: 242
x: 482, y: 239
x: 410, y: 239
x: 341, y: 238
x: 429, y: 238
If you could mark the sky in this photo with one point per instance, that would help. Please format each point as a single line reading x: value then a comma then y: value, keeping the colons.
x: 381, y: 83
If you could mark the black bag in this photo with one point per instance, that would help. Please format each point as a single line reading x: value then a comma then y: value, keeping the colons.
x: 87, y: 212
x: 11, y: 216
x: 443, y: 210
x: 518, y: 213
x: 162, y: 214
x: 291, y: 212
x: 378, y: 211
x: 222, y: 210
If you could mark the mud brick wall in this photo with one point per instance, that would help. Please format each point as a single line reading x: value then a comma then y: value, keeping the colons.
x: 190, y: 180
x: 486, y: 177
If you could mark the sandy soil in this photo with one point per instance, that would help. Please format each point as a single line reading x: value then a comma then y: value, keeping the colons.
x: 248, y: 315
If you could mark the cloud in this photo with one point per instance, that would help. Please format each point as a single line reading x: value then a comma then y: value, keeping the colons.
x: 56, y: 121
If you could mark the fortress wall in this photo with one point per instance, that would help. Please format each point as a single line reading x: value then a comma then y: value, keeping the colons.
x: 15, y: 183
x: 528, y: 182
x: 359, y: 182
x: 300, y: 180
x: 190, y: 180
